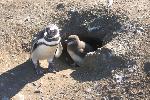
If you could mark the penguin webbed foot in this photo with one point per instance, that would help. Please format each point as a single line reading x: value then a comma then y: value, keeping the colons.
x: 52, y: 68
x: 39, y: 71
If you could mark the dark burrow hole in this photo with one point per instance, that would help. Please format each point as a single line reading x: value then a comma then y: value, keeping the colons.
x: 93, y: 42
x: 147, y: 68
x: 92, y: 26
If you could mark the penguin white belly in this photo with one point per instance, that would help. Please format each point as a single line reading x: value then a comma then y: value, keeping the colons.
x: 75, y: 57
x: 43, y: 52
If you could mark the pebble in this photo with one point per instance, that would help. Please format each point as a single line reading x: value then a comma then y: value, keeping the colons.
x: 12, y: 73
x: 34, y: 84
x: 37, y: 91
x: 88, y: 90
x: 60, y: 6
x: 118, y: 78
x: 89, y: 98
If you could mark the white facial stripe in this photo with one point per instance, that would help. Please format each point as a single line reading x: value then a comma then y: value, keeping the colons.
x: 48, y: 43
x: 57, y: 35
x: 52, y: 27
x: 45, y: 33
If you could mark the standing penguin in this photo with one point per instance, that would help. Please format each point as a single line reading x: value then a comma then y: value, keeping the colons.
x: 46, y: 45
x: 77, y: 49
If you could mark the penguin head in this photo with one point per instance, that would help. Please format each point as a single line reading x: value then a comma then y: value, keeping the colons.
x: 72, y: 40
x: 51, y: 31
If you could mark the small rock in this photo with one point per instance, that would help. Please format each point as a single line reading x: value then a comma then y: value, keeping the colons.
x: 88, y: 90
x: 89, y: 98
x: 37, y: 91
x: 73, y: 9
x: 34, y: 84
x: 12, y: 73
x: 119, y: 78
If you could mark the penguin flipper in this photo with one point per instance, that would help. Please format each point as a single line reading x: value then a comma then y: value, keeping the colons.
x: 35, y: 39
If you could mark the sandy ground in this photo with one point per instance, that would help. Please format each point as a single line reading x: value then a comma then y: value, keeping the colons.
x: 20, y: 19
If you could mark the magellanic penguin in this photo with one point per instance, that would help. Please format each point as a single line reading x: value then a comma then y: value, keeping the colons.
x: 77, y: 49
x: 46, y: 45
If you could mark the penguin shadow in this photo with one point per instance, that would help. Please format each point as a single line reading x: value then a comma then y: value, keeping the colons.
x: 13, y: 80
x: 93, y: 25
x: 64, y: 61
x: 101, y: 71
x: 90, y: 75
x: 147, y: 68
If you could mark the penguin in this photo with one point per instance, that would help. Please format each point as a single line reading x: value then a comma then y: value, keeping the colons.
x: 77, y: 49
x: 46, y: 45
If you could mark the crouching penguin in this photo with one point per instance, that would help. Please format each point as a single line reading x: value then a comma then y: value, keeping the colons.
x: 77, y: 49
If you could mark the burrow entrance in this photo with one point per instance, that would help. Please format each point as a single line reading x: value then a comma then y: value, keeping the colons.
x: 92, y: 26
